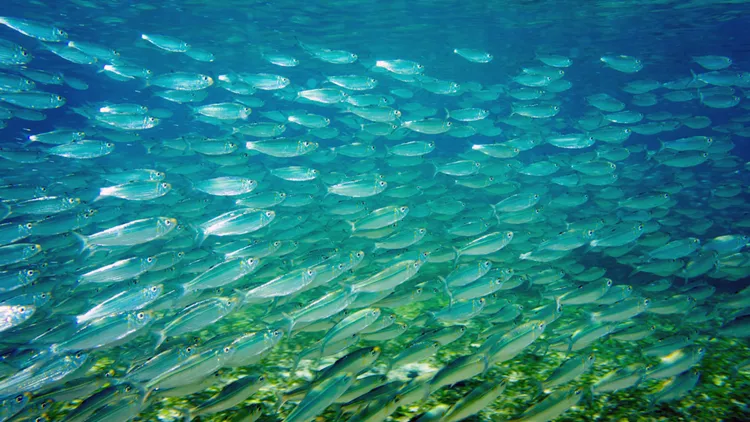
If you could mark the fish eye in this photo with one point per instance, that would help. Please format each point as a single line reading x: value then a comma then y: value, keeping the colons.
x: 509, y: 235
x: 646, y: 302
x: 59, y: 98
x: 167, y: 222
x: 227, y: 349
x: 154, y: 289
x: 165, y: 185
x: 140, y: 315
x: 150, y: 259
x: 24, y: 53
x: 79, y: 354
x: 30, y: 273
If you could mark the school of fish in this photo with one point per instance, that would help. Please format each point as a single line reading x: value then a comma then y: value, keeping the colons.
x: 368, y: 244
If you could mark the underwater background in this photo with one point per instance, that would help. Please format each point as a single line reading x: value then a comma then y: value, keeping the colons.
x: 370, y: 211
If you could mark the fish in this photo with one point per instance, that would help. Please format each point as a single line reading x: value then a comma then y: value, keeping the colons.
x: 372, y: 217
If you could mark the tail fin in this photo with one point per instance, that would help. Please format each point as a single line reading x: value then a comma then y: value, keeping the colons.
x: 200, y: 237
x: 694, y: 79
x: 159, y: 337
x: 437, y: 170
x: 494, y: 212
x: 290, y: 322
x: 539, y: 387
x: 447, y: 289
x: 86, y: 249
x: 458, y: 255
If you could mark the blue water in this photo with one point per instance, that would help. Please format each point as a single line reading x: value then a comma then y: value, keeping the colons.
x: 708, y: 202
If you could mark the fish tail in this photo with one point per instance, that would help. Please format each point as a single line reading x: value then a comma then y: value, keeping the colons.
x: 538, y: 386
x: 159, y: 337
x: 436, y: 169
x: 328, y: 192
x: 494, y: 212
x: 694, y: 79
x: 102, y: 195
x: 85, y: 248
x: 295, y: 365
x: 458, y: 255
x: 200, y: 237
x: 486, y: 361
x: 427, y: 391
x: 588, y: 248
x: 182, y: 290
x: 447, y: 289
x: 279, y: 405
x: 290, y: 322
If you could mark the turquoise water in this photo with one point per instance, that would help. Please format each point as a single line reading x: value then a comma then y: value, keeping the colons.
x: 374, y: 211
